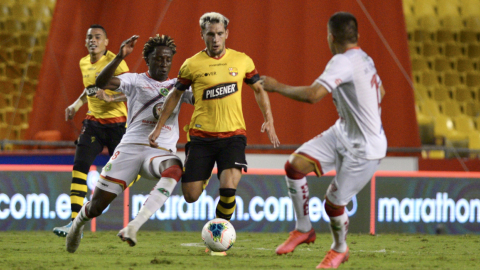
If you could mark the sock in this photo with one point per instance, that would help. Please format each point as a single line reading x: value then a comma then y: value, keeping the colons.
x: 82, y: 216
x: 159, y: 194
x: 298, y: 192
x: 339, y: 229
x: 78, y: 191
x: 226, y: 205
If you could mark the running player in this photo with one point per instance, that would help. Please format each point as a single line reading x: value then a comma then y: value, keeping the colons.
x: 353, y: 146
x: 104, y: 124
x: 217, y: 129
x: 146, y: 93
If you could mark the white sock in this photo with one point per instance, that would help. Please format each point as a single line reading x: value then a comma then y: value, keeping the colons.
x: 82, y: 218
x: 160, y: 193
x: 339, y: 229
x: 298, y: 192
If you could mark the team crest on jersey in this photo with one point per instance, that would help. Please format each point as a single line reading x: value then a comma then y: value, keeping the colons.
x: 163, y: 91
x: 233, y: 71
x: 220, y: 91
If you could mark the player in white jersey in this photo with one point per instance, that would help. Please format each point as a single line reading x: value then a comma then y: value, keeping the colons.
x: 146, y: 93
x: 353, y: 146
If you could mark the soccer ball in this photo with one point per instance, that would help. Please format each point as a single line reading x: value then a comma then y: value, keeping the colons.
x: 218, y: 235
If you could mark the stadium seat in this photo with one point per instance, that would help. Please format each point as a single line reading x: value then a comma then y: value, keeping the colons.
x: 41, y: 12
x: 450, y: 29
x: 424, y: 8
x: 427, y: 78
x: 13, y: 71
x: 453, y: 49
x: 465, y: 64
x: 27, y: 3
x: 431, y: 108
x: 13, y: 26
x: 7, y: 86
x: 473, y: 79
x: 473, y: 50
x: 425, y: 124
x: 448, y: 8
x: 49, y: 3
x: 419, y: 63
x: 463, y: 94
x: 440, y: 93
x: 37, y: 55
x: 430, y: 49
x: 33, y: 26
x: 470, y: 8
x: 20, y: 55
x: 452, y: 78
x: 422, y: 92
x: 465, y: 124
x: 411, y: 24
x: 49, y: 136
x: 4, y: 11
x: 20, y: 12
x: 446, y: 134
x: 29, y: 40
x: 427, y: 29
x: 407, y: 8
x: 8, y: 40
x: 451, y: 108
x: 442, y: 63
x: 472, y: 108
x: 33, y: 71
x: 414, y: 48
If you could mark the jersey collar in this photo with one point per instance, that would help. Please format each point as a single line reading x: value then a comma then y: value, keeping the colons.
x: 205, y: 50
x: 148, y: 75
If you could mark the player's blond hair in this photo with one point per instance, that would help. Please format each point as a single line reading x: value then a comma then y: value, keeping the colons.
x: 156, y: 41
x: 213, y: 17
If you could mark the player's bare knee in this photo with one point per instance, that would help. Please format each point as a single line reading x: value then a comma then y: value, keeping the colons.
x: 190, y: 195
x: 94, y: 210
x: 292, y: 171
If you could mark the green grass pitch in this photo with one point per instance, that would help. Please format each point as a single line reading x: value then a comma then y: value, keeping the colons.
x: 185, y: 250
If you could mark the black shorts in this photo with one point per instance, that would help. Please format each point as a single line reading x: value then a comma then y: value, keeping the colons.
x: 201, y: 155
x: 93, y: 138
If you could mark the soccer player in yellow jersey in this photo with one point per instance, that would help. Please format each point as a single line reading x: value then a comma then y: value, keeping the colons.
x: 105, y: 122
x: 217, y: 129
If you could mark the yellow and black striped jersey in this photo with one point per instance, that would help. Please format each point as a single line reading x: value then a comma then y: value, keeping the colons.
x: 217, y: 88
x: 98, y: 110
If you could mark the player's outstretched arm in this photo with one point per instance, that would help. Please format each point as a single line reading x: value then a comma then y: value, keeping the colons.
x: 264, y: 103
x: 309, y: 94
x: 105, y: 79
x: 71, y: 110
x: 170, y: 104
x: 102, y: 95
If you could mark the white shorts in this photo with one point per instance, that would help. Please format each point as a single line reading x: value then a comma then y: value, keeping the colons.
x: 328, y: 153
x: 129, y: 161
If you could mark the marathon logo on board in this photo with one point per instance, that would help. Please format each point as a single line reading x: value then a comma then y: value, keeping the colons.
x: 220, y: 91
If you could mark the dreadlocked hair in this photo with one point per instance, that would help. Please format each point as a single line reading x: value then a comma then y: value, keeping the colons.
x: 156, y: 41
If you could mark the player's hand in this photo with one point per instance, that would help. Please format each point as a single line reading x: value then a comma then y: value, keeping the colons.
x: 127, y: 46
x: 69, y: 113
x: 268, y: 126
x: 153, y: 137
x: 103, y: 96
x: 268, y: 83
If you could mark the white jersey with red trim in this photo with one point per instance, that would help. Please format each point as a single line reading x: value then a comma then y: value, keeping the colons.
x: 352, y: 79
x: 144, y: 95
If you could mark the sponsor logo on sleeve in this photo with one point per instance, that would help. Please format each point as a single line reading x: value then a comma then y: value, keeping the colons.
x: 220, y: 91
